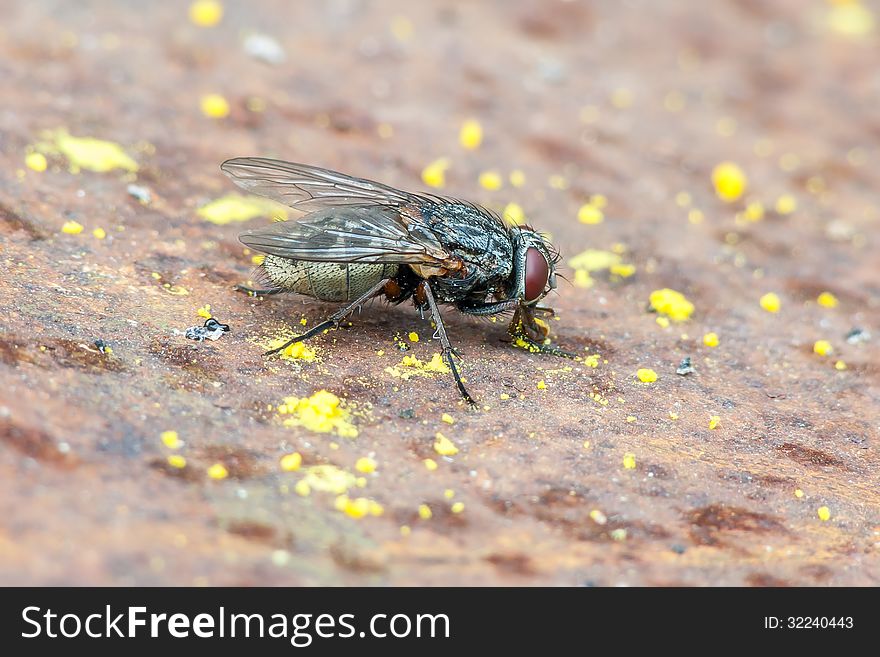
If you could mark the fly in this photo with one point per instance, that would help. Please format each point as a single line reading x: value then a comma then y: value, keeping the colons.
x: 362, y: 239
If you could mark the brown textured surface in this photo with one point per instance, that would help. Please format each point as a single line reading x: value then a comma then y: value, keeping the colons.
x: 85, y: 495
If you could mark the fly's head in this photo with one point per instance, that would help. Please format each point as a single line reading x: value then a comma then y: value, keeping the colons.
x: 534, y: 267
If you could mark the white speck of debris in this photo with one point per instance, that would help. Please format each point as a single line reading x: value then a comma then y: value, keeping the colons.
x: 140, y: 192
x: 64, y: 448
x: 857, y: 335
x: 242, y: 494
x: 280, y: 557
x: 264, y: 48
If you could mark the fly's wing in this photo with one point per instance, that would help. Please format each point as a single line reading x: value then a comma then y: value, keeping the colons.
x: 372, y: 234
x: 306, y: 187
x: 356, y: 220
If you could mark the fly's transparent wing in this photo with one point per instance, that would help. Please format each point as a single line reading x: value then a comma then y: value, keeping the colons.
x: 372, y: 234
x: 306, y: 187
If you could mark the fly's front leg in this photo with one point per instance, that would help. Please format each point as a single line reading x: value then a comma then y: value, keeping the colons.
x: 529, y: 332
x: 447, y: 351
x: 333, y: 320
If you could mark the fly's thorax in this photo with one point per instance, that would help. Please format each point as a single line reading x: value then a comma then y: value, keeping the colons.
x: 327, y: 281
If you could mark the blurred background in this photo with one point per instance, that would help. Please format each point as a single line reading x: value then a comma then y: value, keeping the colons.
x: 723, y: 150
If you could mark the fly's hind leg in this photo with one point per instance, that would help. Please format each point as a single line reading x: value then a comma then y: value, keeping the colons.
x: 333, y: 321
x: 447, y: 350
x: 255, y: 292
x: 530, y: 333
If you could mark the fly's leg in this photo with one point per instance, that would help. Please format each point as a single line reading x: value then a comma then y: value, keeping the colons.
x: 334, y: 319
x: 531, y: 334
x: 446, y: 348
x: 254, y: 292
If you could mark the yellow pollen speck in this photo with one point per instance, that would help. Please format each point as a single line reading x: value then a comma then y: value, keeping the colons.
x: 582, y: 278
x: 589, y: 114
x: 258, y: 259
x: 323, y: 412
x: 36, y: 161
x: 726, y: 126
x: 850, y: 18
x: 683, y: 199
x: 205, y: 311
x: 840, y: 365
x: 447, y: 418
x: 291, y: 462
x: 430, y: 464
x: 170, y: 439
x: 365, y: 464
x: 598, y: 517
x: 504, y: 396
x: 99, y: 233
x: 590, y: 214
x: 623, y: 270
x: 786, y: 204
x: 457, y: 507
x: 827, y: 300
x: 798, y: 493
x: 824, y: 513
x: 72, y: 227
x: 671, y: 303
x: 729, y: 180
x: 541, y: 385
x: 471, y: 134
x: 514, y: 214
x: 592, y: 360
x: 673, y: 415
x: 822, y: 347
x: 425, y: 512
x: 298, y: 351
x: 176, y: 461
x: 586, y: 444
x: 629, y: 461
x: 696, y: 216
x: 770, y: 302
x: 214, y: 106
x: 411, y: 366
x: 236, y: 207
x: 710, y: 339
x: 754, y: 211
x: 622, y: 98
x: 87, y: 153
x: 714, y: 421
x: 448, y: 493
x: 557, y: 181
x: 517, y: 178
x: 646, y: 375
x: 413, y: 337
x: 443, y: 446
x: 402, y: 28
x: 662, y: 322
x: 491, y: 180
x: 631, y: 418
x: 302, y: 488
x: 218, y: 471
x: 434, y: 175
x: 405, y: 530
x: 206, y: 13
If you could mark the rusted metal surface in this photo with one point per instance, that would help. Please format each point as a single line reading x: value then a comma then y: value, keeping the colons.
x: 636, y: 101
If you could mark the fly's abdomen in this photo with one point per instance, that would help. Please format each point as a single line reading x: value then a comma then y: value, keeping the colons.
x: 327, y: 281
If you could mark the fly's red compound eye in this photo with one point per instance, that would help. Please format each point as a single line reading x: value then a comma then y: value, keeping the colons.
x: 537, y: 274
